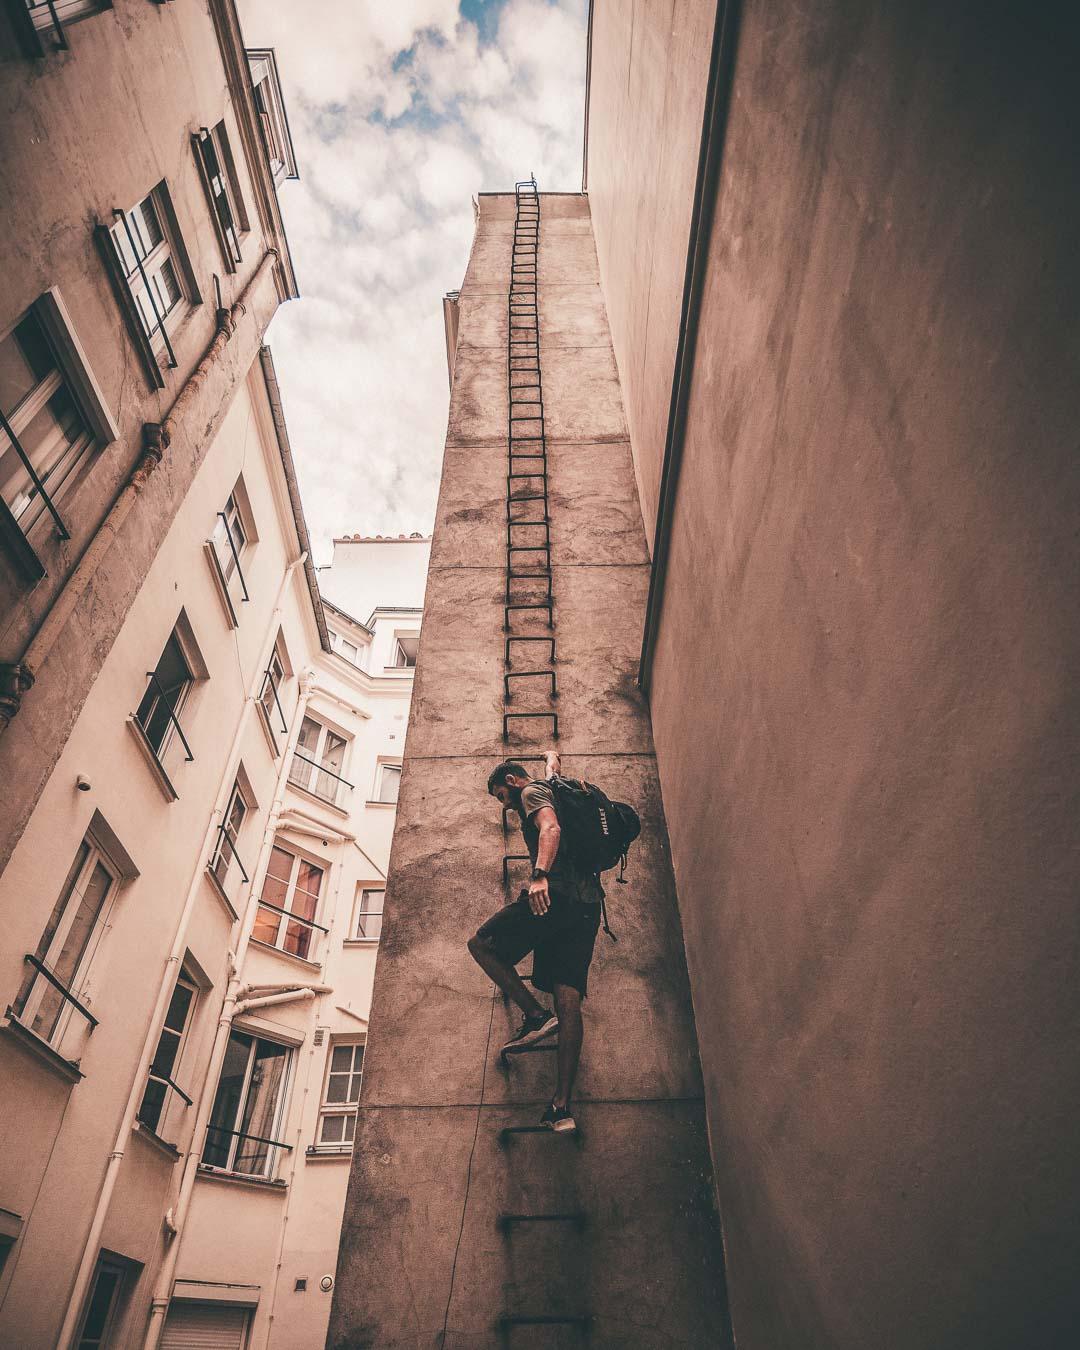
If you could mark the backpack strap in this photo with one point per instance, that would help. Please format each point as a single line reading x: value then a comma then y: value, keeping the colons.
x: 607, y: 926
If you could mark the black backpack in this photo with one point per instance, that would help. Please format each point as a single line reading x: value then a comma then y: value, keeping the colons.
x: 597, y: 832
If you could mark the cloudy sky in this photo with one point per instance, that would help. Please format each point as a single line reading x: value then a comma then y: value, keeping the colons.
x: 400, y: 111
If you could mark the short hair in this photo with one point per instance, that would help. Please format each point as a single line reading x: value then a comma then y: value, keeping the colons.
x: 497, y: 777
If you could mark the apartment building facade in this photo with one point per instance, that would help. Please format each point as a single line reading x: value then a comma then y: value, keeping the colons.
x: 192, y: 919
x: 143, y: 255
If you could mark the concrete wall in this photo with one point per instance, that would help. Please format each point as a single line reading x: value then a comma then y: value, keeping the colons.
x: 865, y: 728
x: 86, y: 131
x: 429, y: 1165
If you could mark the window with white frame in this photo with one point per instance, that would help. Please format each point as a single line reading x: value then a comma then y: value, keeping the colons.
x: 150, y: 266
x: 349, y: 650
x: 52, y: 992
x: 318, y: 760
x: 229, y: 539
x: 52, y: 418
x: 225, y: 858
x: 387, y: 783
x: 162, y: 1090
x: 406, y: 646
x: 368, y: 921
x: 266, y: 87
x: 289, y: 902
x: 167, y: 689
x: 270, y: 698
x: 249, y: 1107
x: 341, y: 1093
x: 214, y: 155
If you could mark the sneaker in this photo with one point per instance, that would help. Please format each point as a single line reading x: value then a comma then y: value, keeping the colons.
x: 535, y: 1027
x: 559, y: 1119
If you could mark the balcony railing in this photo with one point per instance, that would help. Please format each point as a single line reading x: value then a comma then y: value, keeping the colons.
x: 268, y: 679
x: 62, y: 989
x: 226, y: 839
x: 162, y: 700
x: 235, y: 557
x: 35, y: 477
x: 155, y: 1104
x: 159, y: 318
x: 324, y: 783
x: 296, y: 944
x: 255, y: 1156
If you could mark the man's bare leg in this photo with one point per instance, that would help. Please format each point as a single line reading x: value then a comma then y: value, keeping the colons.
x: 571, y: 1033
x: 506, y: 977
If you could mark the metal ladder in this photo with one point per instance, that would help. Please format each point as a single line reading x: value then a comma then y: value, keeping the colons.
x: 528, y: 592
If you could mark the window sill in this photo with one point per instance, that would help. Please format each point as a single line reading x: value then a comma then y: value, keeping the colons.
x: 289, y: 956
x: 327, y: 1154
x: 162, y: 1146
x: 361, y: 942
x: 371, y: 803
x: 219, y: 894
x: 221, y: 586
x: 31, y: 1042
x: 276, y: 1185
x: 321, y: 801
x: 161, y: 778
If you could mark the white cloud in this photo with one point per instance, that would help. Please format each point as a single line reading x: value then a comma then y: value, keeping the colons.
x: 399, y: 113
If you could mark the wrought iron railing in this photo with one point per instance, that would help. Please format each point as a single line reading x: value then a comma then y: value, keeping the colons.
x: 311, y: 778
x: 163, y: 701
x: 61, y: 988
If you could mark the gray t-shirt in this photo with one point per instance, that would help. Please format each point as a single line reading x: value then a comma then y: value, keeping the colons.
x: 564, y: 877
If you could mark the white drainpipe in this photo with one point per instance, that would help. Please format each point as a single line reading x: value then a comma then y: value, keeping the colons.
x: 204, y: 1098
x: 88, y: 1261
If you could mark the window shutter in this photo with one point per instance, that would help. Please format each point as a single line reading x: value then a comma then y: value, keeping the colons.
x: 205, y: 1326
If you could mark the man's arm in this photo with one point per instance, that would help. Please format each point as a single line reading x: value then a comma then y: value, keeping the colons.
x: 546, y: 850
x: 552, y: 764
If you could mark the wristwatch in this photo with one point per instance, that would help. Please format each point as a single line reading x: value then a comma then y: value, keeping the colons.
x: 538, y: 874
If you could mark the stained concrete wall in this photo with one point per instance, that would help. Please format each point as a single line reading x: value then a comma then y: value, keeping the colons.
x: 865, y: 730
x: 428, y: 1164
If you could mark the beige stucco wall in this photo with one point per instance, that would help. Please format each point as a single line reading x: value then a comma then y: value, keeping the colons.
x: 864, y: 721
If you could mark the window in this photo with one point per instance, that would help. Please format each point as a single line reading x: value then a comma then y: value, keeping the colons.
x: 160, y: 1080
x: 345, y: 648
x: 102, y: 1305
x: 149, y: 267
x: 225, y: 854
x: 51, y: 993
x: 406, y: 646
x: 228, y: 539
x: 218, y: 171
x: 387, y: 782
x: 270, y: 106
x: 270, y: 698
x: 341, y: 1092
x: 290, y: 900
x: 52, y: 418
x: 51, y: 19
x: 167, y: 688
x: 369, y: 916
x: 317, y: 762
x: 248, y: 1107
x: 214, y: 1326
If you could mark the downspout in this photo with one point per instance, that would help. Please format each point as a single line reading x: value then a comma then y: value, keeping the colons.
x: 242, y: 934
x: 156, y: 437
x: 710, y: 156
x: 168, y: 980
x: 588, y: 90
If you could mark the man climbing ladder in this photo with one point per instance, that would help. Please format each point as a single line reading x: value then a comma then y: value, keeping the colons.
x: 556, y: 918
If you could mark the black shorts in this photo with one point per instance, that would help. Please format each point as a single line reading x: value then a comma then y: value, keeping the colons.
x: 561, y: 940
